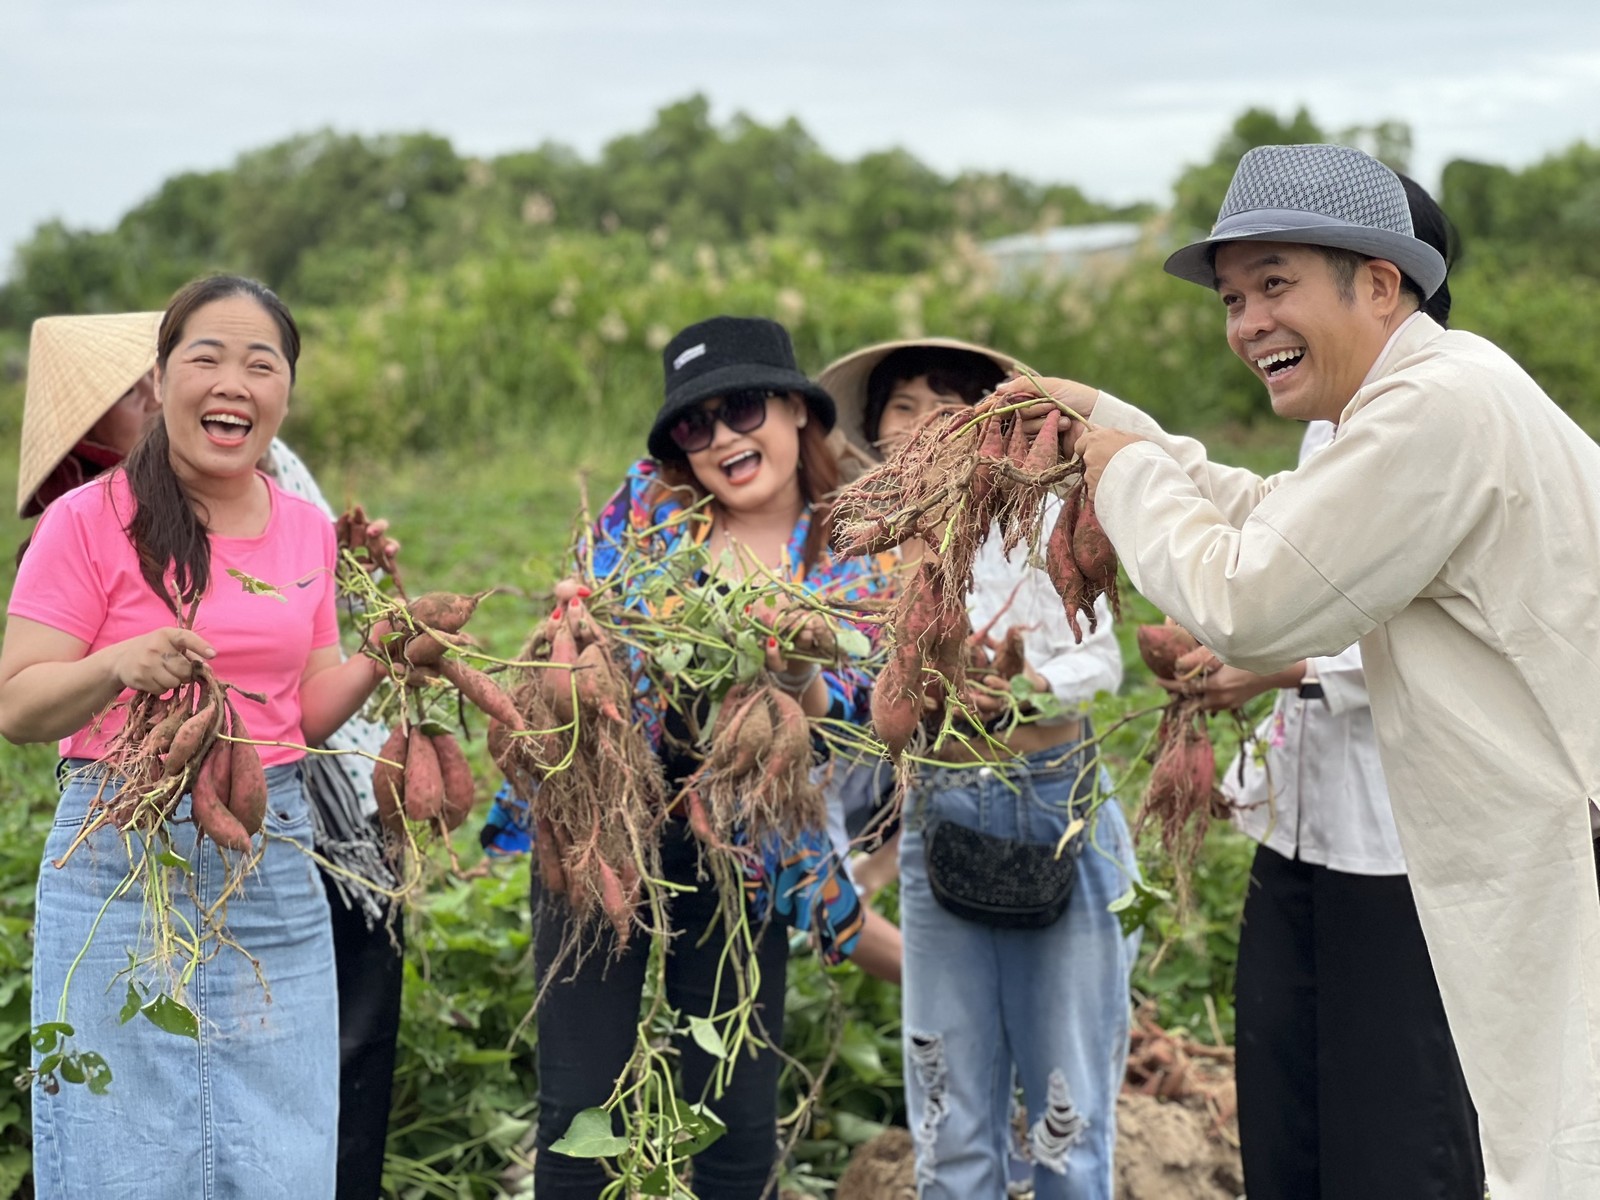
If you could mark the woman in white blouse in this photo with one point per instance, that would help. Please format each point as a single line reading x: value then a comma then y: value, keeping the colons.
x: 987, y: 1009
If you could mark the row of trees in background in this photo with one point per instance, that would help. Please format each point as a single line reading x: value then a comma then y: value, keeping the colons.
x: 323, y: 216
x: 447, y: 298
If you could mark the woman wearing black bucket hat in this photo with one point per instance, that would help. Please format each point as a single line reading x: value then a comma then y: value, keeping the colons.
x: 742, y: 429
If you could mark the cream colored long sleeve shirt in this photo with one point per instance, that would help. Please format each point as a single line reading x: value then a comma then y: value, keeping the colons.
x: 1317, y: 793
x: 1453, y: 527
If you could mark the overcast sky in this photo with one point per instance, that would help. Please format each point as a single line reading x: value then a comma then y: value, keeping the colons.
x: 100, y: 100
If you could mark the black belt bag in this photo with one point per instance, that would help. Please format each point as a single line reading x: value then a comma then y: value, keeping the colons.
x: 996, y: 881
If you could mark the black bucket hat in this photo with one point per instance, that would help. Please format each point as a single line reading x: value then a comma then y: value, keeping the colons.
x: 729, y: 354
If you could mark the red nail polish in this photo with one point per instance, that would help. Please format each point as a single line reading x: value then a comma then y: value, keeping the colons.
x: 772, y: 643
x: 584, y: 593
x: 556, y: 616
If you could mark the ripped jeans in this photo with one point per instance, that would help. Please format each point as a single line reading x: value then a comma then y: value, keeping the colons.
x: 988, y: 1009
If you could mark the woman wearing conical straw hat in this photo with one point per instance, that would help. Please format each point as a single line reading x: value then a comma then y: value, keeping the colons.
x: 90, y: 389
x: 1046, y: 1003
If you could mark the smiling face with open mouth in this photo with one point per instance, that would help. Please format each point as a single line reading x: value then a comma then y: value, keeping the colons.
x: 1309, y: 339
x: 750, y: 472
x: 225, y: 389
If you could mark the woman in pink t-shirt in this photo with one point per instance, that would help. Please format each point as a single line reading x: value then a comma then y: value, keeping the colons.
x: 250, y: 1106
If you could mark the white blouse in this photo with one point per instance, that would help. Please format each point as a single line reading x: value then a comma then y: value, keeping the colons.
x: 1020, y: 594
x: 1318, y: 792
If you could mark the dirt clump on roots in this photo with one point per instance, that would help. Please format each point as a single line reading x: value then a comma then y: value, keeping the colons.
x: 881, y: 1169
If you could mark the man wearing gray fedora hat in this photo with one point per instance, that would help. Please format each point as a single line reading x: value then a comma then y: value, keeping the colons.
x: 1446, y: 528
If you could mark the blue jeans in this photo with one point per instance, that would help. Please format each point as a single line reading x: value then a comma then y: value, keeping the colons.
x: 250, y: 1109
x: 988, y: 1009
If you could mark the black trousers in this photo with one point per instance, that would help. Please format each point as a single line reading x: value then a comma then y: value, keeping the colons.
x: 1349, y: 1083
x: 370, y: 973
x: 588, y: 1023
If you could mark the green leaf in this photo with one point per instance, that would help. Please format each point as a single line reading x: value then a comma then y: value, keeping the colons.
x: 72, y: 1070
x: 130, y: 1005
x: 257, y: 587
x: 168, y: 858
x: 705, y: 1036
x: 99, y: 1072
x: 858, y: 1050
x: 590, y: 1136
x: 751, y: 659
x: 852, y: 642
x: 658, y: 1183
x: 15, y: 1165
x: 48, y: 1034
x: 854, y: 1130
x: 702, y: 1126
x: 674, y: 656
x: 169, y: 1016
x: 1137, y: 905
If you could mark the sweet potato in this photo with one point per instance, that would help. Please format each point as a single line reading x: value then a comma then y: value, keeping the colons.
x: 751, y: 732
x: 1092, y: 550
x: 1161, y: 646
x: 918, y: 608
x: 551, y: 873
x: 499, y: 742
x: 1045, y: 452
x: 1011, y: 659
x: 1064, y: 572
x: 613, y: 902
x: 790, y: 729
x: 699, y: 818
x: 424, y: 781
x: 209, y: 800
x: 247, y: 790
x: 423, y: 650
x: 447, y: 611
x: 1017, y: 444
x: 585, y: 629
x: 1184, y: 776
x: 897, y: 703
x: 483, y: 692
x: 459, y: 792
x: 600, y: 687
x: 159, y: 740
x: 192, y: 736
x: 388, y: 782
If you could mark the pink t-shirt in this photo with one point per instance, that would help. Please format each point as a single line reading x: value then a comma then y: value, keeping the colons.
x: 81, y: 576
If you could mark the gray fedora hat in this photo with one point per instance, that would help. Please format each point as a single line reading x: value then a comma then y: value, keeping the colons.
x: 1320, y: 196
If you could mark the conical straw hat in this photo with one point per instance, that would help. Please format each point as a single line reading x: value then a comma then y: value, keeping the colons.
x: 846, y: 380
x: 78, y: 367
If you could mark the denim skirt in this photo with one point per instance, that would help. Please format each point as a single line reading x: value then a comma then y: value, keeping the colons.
x: 248, y: 1107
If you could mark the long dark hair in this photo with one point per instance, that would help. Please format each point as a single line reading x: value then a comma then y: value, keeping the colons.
x: 165, y: 529
x: 818, y: 477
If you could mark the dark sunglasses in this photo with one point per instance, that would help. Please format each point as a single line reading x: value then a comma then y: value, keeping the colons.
x: 741, y: 412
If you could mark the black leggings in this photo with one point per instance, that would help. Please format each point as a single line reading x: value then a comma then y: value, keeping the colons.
x: 588, y: 1023
x: 370, y: 970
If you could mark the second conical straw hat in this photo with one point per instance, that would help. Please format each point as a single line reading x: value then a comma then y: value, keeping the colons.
x: 78, y: 367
